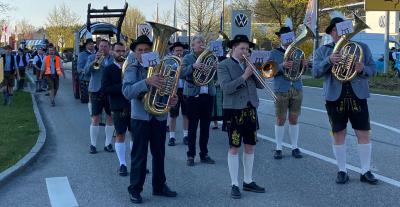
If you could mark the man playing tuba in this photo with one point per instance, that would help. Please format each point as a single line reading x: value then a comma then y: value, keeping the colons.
x: 346, y: 101
x: 146, y: 128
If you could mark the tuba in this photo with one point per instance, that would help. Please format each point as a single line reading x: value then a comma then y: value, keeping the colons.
x: 293, y: 53
x: 156, y: 100
x: 351, y: 53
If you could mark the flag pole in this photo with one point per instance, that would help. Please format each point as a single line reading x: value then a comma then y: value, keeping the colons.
x: 316, y: 39
x: 189, y: 23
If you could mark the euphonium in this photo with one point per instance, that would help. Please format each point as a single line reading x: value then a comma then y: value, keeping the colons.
x: 156, y: 100
x: 293, y: 53
x: 351, y: 53
x: 259, y: 78
x: 204, y: 75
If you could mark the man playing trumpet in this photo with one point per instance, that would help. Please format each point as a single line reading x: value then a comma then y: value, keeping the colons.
x: 95, y: 66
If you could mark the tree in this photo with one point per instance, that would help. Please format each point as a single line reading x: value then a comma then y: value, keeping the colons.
x: 25, y: 29
x: 165, y: 18
x: 204, y: 16
x: 133, y: 17
x: 62, y: 22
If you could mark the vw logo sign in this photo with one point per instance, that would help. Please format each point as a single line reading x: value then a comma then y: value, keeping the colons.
x: 241, y: 20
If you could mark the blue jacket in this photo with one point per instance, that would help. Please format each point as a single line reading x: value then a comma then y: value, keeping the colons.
x: 333, y: 87
x: 281, y: 84
x: 82, y: 60
x: 96, y: 75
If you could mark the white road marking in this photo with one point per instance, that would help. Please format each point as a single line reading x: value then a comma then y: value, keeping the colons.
x: 333, y: 161
x: 374, y: 94
x: 393, y: 129
x: 60, y: 192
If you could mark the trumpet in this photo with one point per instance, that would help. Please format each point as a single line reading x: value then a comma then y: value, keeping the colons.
x: 97, y: 64
x: 259, y: 79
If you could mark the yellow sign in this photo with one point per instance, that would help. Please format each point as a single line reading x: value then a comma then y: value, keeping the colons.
x: 382, y: 5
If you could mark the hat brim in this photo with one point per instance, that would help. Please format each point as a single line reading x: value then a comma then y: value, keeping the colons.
x: 178, y: 45
x: 278, y: 33
x: 328, y: 30
x: 232, y: 42
x: 135, y: 44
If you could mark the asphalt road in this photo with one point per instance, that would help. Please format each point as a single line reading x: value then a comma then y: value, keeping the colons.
x: 309, y: 181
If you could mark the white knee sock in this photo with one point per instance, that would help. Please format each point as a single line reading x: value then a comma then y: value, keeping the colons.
x: 340, y: 154
x: 185, y: 133
x: 294, y: 134
x: 120, y: 149
x: 171, y: 134
x: 248, y: 160
x: 279, y: 131
x: 233, y: 165
x: 364, y: 151
x: 94, y: 133
x: 109, y: 130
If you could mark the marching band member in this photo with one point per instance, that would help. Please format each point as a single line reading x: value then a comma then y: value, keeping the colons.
x: 52, y: 70
x: 22, y: 63
x: 37, y: 63
x: 346, y: 101
x: 145, y: 126
x: 82, y: 60
x: 240, y: 101
x: 290, y: 96
x: 10, y: 72
x: 120, y: 107
x: 97, y: 99
x: 200, y: 102
x: 177, y: 49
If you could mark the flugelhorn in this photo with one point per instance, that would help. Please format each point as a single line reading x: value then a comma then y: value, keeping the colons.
x: 260, y: 79
x: 97, y: 64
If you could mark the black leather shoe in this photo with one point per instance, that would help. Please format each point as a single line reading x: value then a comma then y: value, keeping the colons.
x: 278, y: 154
x: 135, y: 198
x: 296, y: 153
x: 235, y: 192
x: 165, y: 192
x: 342, y: 177
x: 207, y: 160
x: 190, y: 161
x: 93, y: 149
x: 171, y: 142
x: 368, y: 177
x: 109, y: 148
x: 123, y: 171
x: 185, y: 140
x: 253, y: 187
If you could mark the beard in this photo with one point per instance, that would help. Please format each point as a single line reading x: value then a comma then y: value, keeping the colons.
x: 120, y: 59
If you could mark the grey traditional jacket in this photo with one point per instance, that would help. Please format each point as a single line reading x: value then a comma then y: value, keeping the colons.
x: 134, y: 88
x: 190, y: 88
x: 333, y: 87
x: 281, y: 84
x: 237, y: 91
x: 95, y: 75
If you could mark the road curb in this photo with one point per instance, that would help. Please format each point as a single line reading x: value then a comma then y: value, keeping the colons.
x: 33, y: 153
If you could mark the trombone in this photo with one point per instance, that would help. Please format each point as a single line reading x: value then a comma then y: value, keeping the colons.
x: 259, y: 79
